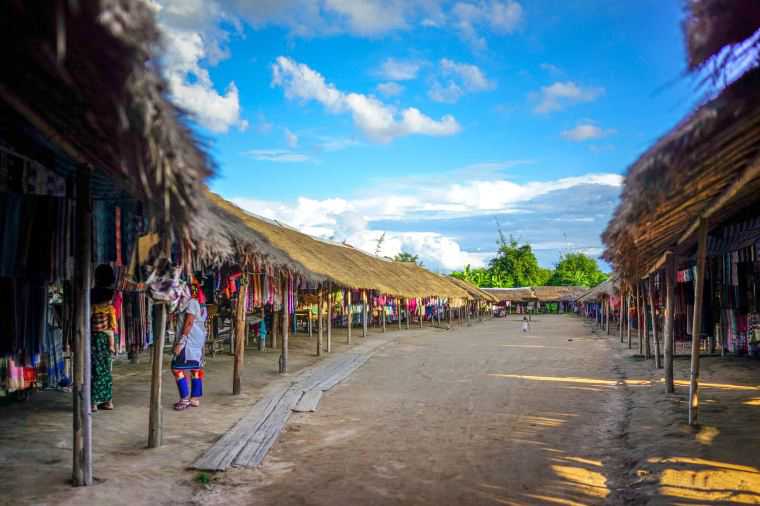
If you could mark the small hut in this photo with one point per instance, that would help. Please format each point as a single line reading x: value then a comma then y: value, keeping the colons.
x: 559, y: 299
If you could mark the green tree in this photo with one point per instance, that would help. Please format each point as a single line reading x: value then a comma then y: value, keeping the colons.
x: 407, y: 257
x: 576, y: 269
x: 515, y: 264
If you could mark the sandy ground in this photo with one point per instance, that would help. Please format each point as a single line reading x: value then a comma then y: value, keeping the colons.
x: 484, y: 414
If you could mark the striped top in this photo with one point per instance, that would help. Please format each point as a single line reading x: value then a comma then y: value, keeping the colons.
x: 103, y: 318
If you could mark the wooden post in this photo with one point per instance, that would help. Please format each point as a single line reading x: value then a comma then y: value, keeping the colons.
x: 348, y: 313
x: 697, y: 325
x: 309, y: 318
x: 657, y: 363
x: 398, y: 307
x: 82, y: 426
x: 320, y: 307
x: 329, y: 316
x: 638, y: 317
x: 628, y: 317
x: 365, y: 313
x: 607, y: 317
x: 381, y: 313
x: 406, y: 310
x: 668, y: 331
x: 273, y: 341
x: 620, y: 313
x: 645, y: 313
x: 237, y: 371
x: 285, y: 313
x: 420, y: 312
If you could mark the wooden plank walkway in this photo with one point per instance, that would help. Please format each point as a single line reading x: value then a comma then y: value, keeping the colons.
x: 248, y: 442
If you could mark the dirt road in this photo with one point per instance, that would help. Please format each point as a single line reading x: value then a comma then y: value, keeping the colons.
x: 485, y: 414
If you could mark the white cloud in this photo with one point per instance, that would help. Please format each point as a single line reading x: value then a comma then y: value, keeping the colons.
x: 562, y: 94
x: 277, y: 155
x: 473, y: 78
x: 193, y: 40
x: 409, y: 203
x: 370, y: 17
x: 586, y: 131
x: 377, y: 120
x: 448, y: 95
x: 390, y: 89
x: 499, y: 16
x: 551, y: 69
x: 291, y: 139
x: 398, y: 70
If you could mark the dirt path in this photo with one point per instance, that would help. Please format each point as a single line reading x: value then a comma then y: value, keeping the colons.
x: 474, y: 415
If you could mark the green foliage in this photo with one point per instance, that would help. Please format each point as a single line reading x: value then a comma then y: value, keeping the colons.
x: 515, y: 265
x: 576, y: 269
x: 407, y: 257
x: 203, y: 478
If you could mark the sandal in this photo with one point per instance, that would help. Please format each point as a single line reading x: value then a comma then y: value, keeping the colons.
x: 108, y: 406
x: 182, y: 405
x: 194, y: 403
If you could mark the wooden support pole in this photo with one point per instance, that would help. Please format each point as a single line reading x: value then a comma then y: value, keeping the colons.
x: 349, y: 315
x: 155, y: 433
x: 309, y: 318
x: 285, y: 314
x: 638, y: 318
x: 398, y: 309
x: 697, y: 325
x: 406, y: 309
x: 607, y: 317
x: 237, y: 370
x: 82, y: 423
x: 645, y: 312
x: 620, y: 314
x: 273, y: 340
x: 420, y: 310
x: 657, y: 362
x: 320, y: 308
x: 628, y: 317
x: 365, y: 313
x: 329, y: 316
x: 668, y: 331
x: 382, y: 312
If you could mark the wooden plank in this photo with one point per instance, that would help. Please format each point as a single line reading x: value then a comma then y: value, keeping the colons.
x: 697, y: 325
x: 221, y: 456
x: 308, y: 402
x: 268, y: 431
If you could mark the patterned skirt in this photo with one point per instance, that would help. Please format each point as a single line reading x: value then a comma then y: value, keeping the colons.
x: 100, y: 357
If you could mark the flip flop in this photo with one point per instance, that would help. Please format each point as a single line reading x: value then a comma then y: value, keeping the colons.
x: 182, y: 405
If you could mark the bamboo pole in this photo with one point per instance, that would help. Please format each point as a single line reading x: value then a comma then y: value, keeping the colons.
x: 628, y: 317
x: 82, y: 414
x: 639, y: 328
x: 285, y: 313
x: 620, y: 314
x: 607, y: 318
x: 668, y: 332
x: 237, y: 371
x: 320, y: 325
x: 329, y: 316
x: 697, y: 325
x: 419, y: 310
x: 348, y: 314
x: 657, y: 362
x: 398, y: 308
x: 406, y: 310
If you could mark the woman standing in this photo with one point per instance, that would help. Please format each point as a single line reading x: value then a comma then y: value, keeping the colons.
x: 103, y: 325
x: 188, y: 350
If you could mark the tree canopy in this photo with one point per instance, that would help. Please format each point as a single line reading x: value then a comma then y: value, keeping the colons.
x: 407, y: 257
x: 515, y: 265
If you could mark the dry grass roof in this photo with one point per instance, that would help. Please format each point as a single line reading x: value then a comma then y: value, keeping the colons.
x: 521, y: 294
x: 559, y: 293
x: 707, y: 166
x: 320, y: 260
x: 85, y: 76
x: 602, y: 290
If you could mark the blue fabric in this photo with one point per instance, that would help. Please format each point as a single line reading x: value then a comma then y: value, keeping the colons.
x: 197, y: 387
x: 182, y: 387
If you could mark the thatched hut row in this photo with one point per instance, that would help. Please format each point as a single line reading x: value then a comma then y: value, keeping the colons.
x: 97, y: 166
x: 685, y: 239
x: 553, y: 298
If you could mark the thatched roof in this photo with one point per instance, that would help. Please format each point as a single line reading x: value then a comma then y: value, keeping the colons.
x: 320, y: 260
x: 84, y: 74
x: 606, y: 289
x: 559, y: 293
x: 707, y: 166
x: 521, y: 294
x: 476, y: 293
x: 711, y: 25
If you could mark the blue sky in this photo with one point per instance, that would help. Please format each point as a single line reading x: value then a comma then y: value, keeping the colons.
x: 429, y: 120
